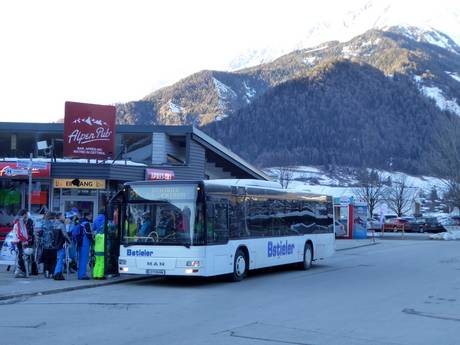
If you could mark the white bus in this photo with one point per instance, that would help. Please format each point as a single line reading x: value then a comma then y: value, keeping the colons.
x: 215, y: 227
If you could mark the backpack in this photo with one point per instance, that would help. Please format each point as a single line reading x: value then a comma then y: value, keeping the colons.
x: 49, y: 237
x: 77, y: 234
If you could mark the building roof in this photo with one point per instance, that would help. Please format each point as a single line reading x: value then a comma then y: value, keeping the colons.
x: 199, y: 136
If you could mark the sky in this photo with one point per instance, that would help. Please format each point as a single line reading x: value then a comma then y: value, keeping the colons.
x: 107, y: 52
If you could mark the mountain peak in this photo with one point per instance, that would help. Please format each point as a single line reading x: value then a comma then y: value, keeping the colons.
x: 426, y: 35
x: 443, y: 17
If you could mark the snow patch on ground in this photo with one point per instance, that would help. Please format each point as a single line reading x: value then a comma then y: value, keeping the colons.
x: 340, y: 183
x: 348, y: 51
x: 174, y: 108
x: 447, y: 236
x: 224, y: 92
x: 250, y: 92
x: 371, y: 43
x: 435, y: 38
x: 453, y: 75
x: 437, y: 95
x: 310, y: 60
x: 441, y: 101
x: 220, y: 117
x: 431, y: 36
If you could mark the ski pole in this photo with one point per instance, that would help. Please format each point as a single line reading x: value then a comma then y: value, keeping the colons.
x: 67, y: 261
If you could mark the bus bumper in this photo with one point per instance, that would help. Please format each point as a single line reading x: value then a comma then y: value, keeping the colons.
x: 163, y: 266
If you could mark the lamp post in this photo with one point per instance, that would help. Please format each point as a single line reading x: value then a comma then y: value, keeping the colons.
x: 29, y: 171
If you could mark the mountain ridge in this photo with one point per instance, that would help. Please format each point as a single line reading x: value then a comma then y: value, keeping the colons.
x: 422, y: 65
x: 206, y: 96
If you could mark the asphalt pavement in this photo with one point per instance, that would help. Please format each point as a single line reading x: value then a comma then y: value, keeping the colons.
x: 396, y: 292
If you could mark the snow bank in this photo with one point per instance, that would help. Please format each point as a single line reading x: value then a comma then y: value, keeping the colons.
x: 447, y: 236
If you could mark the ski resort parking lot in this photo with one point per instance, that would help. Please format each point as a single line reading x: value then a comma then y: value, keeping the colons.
x: 394, y: 292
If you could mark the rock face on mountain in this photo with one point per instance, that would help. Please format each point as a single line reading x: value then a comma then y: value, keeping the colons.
x: 377, y: 100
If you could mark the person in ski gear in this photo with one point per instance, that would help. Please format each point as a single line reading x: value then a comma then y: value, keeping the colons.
x: 71, y: 221
x: 21, y: 239
x: 84, y: 240
x: 146, y: 226
x: 31, y: 244
x: 49, y: 239
x: 62, y: 239
x: 99, y: 245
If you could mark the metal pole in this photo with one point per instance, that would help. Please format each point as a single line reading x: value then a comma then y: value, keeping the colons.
x: 29, y: 198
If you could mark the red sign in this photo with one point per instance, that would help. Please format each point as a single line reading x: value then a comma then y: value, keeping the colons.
x: 158, y: 174
x: 39, y: 197
x: 11, y: 169
x: 89, y: 131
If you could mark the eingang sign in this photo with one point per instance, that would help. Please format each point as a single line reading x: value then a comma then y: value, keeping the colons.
x: 89, y: 131
x: 78, y: 183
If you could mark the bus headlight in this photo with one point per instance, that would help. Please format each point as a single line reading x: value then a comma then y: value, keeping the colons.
x: 124, y: 269
x: 193, y: 263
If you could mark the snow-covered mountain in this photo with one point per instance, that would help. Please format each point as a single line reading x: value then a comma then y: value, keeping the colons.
x: 444, y: 16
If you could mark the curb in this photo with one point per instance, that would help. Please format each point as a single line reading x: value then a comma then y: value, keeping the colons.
x: 361, y: 245
x: 72, y: 288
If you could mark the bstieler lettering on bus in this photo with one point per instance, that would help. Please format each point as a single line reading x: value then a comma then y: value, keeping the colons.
x: 279, y: 249
x: 139, y: 252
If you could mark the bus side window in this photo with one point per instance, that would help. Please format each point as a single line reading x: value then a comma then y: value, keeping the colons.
x: 217, y: 221
x: 237, y: 219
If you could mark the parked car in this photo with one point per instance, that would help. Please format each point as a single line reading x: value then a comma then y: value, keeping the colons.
x: 388, y: 217
x: 397, y: 224
x: 431, y: 224
x: 373, y: 224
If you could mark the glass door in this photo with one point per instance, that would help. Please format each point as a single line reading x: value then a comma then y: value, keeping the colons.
x: 84, y: 205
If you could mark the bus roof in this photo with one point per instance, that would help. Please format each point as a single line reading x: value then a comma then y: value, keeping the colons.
x: 229, y: 183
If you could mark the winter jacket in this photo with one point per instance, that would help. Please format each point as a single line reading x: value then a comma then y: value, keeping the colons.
x: 98, y: 224
x: 20, y: 232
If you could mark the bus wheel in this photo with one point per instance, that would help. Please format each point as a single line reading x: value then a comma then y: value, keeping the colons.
x: 307, y: 257
x: 240, y: 266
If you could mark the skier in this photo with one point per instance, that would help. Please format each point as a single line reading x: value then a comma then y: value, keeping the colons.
x: 21, y: 239
x: 62, y: 238
x: 84, y: 240
x: 49, y: 240
x: 99, y: 246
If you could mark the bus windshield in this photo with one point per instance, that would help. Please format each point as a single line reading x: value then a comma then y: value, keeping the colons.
x: 160, y: 215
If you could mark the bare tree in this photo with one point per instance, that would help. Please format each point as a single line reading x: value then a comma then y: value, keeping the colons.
x: 400, y: 196
x: 285, y: 176
x: 370, y: 189
x: 448, y: 159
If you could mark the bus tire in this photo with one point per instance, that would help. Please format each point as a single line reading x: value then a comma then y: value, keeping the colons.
x: 307, y: 257
x: 240, y: 266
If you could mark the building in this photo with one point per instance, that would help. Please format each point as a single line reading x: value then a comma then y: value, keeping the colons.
x: 141, y: 152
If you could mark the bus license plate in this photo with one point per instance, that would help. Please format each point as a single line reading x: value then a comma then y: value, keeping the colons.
x: 159, y: 272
